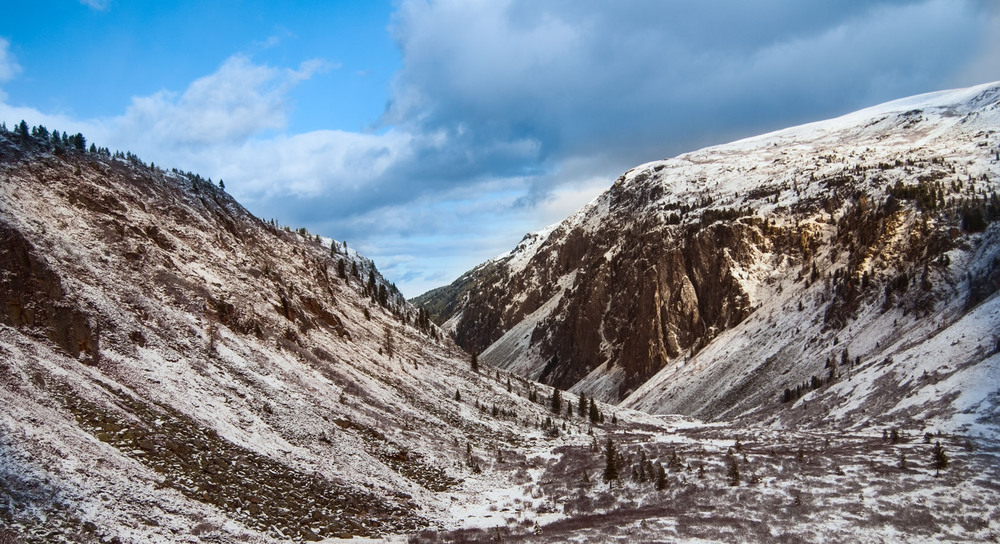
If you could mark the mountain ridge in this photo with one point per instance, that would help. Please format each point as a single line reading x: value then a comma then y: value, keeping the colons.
x: 710, y: 236
x: 171, y: 363
x: 173, y: 369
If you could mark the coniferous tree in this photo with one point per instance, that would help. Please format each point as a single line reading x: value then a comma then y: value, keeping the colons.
x: 675, y: 461
x: 78, y: 141
x: 611, y: 468
x: 940, y: 459
x: 661, y: 477
x: 734, y: 473
x: 556, y: 401
x: 594, y: 413
x: 582, y: 406
x: 474, y: 364
x: 341, y: 270
x: 458, y: 395
x: 389, y: 343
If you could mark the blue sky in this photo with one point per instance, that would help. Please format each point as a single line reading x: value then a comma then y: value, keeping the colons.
x: 431, y: 135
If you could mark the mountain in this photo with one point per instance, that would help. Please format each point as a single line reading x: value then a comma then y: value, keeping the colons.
x: 862, y: 251
x: 172, y: 367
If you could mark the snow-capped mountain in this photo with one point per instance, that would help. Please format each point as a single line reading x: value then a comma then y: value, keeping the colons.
x: 861, y: 252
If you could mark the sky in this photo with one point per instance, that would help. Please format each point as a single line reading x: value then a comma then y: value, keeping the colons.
x: 431, y: 135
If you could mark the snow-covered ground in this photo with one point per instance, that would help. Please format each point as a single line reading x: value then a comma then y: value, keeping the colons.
x: 173, y: 369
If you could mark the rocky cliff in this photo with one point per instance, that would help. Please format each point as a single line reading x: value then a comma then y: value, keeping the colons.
x: 888, y: 211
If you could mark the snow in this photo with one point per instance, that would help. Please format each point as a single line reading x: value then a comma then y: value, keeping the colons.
x: 320, y: 403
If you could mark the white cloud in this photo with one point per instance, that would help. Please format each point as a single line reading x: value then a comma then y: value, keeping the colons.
x: 8, y: 64
x: 239, y: 100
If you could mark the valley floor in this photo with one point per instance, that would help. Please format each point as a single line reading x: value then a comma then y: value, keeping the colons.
x: 810, y: 486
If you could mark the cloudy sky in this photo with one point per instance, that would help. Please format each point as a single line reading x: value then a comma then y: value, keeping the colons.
x: 431, y: 135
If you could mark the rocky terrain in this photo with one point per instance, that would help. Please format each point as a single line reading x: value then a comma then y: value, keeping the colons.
x: 174, y: 369
x: 861, y: 251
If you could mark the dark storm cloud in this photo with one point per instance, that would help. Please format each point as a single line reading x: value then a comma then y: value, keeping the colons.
x: 642, y: 80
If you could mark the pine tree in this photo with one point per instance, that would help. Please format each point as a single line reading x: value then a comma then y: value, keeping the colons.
x: 458, y: 395
x: 582, y: 406
x: 341, y: 269
x: 556, y: 401
x: 611, y: 468
x: 475, y: 362
x: 594, y: 414
x: 389, y: 343
x: 78, y: 141
x: 940, y: 459
x: 661, y: 477
x: 675, y: 461
x: 734, y: 473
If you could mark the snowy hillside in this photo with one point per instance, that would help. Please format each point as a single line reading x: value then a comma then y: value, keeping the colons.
x: 175, y: 369
x: 709, y: 283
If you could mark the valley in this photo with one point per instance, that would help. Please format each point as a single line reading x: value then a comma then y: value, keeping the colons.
x: 790, y: 338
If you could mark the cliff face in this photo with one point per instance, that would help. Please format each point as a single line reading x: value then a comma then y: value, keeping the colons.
x: 32, y: 297
x: 875, y: 211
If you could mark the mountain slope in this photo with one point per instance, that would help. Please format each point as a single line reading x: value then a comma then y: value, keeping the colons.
x: 735, y: 272
x: 172, y: 367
